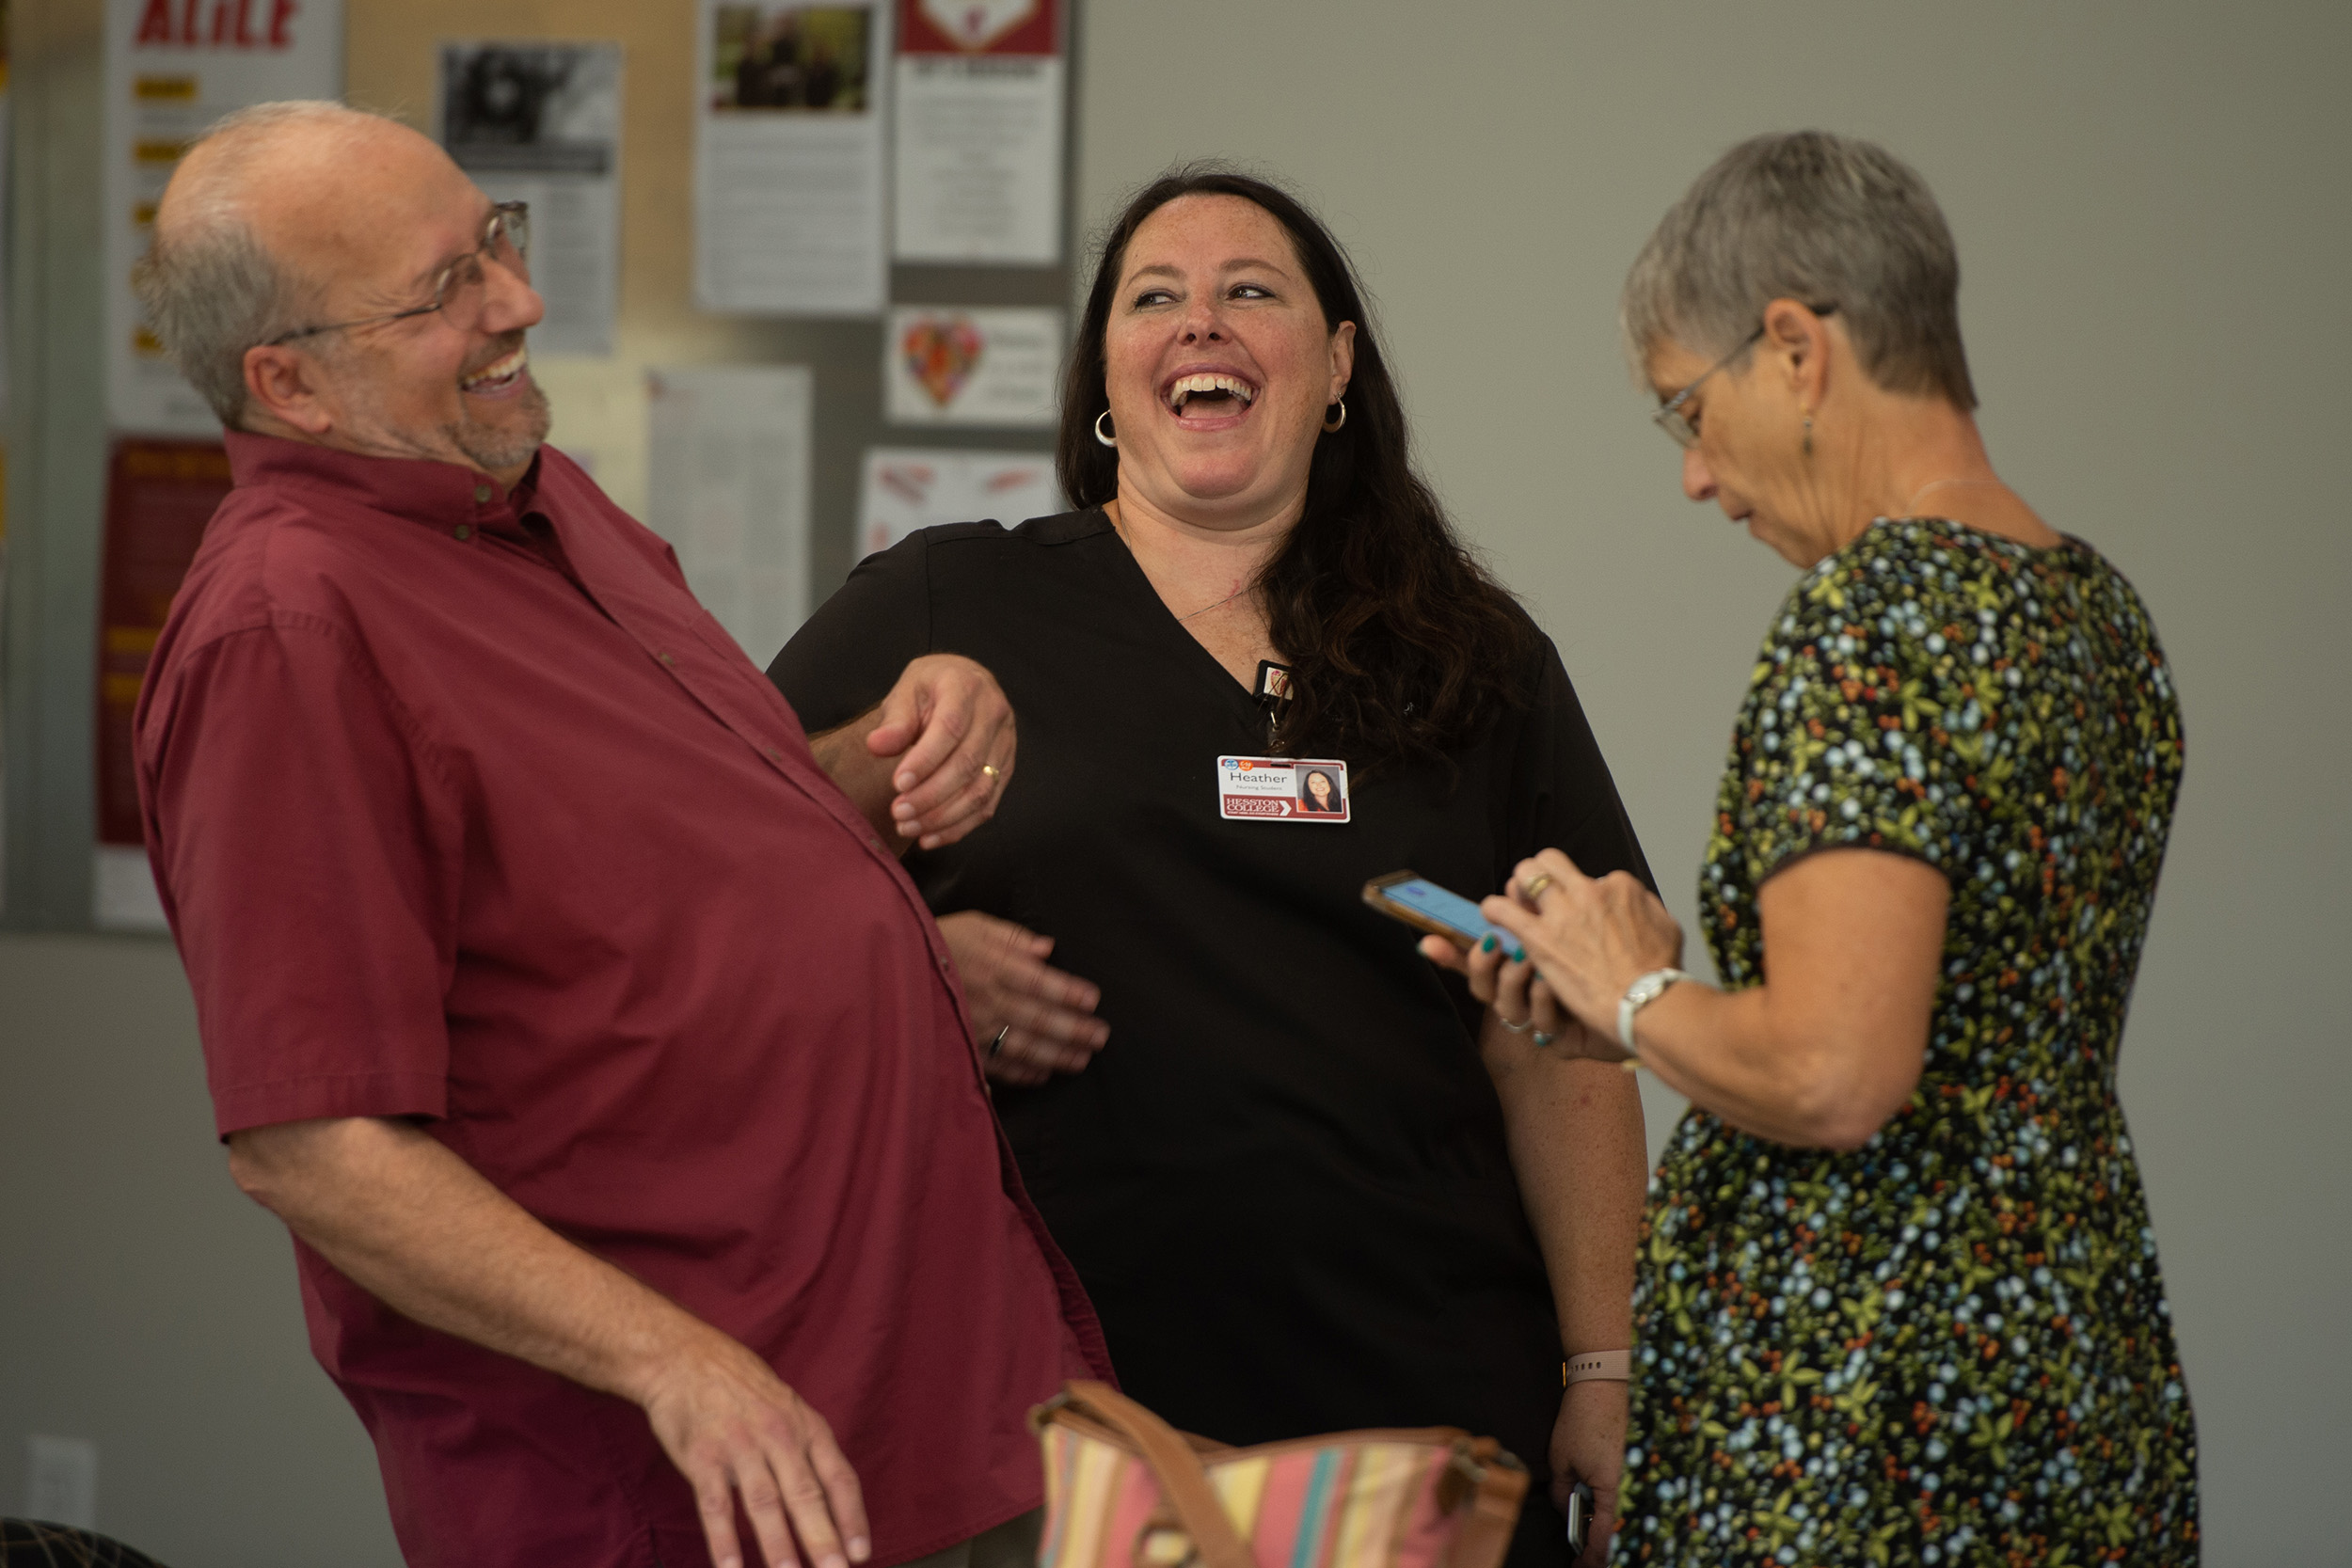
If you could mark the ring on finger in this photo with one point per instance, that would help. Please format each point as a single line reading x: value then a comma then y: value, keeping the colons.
x: 997, y: 1046
x: 988, y: 771
x: 1515, y: 1028
x: 1535, y: 889
x: 1542, y: 1038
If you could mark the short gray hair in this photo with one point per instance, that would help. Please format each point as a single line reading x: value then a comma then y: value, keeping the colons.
x: 209, y: 287
x: 1822, y: 219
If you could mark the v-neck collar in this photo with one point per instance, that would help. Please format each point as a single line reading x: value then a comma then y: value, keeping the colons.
x: 1153, y: 611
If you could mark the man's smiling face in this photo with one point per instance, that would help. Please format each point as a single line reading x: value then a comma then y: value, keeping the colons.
x: 374, y: 226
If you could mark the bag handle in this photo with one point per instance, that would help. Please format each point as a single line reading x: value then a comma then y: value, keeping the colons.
x: 1493, y: 1511
x: 1183, y: 1482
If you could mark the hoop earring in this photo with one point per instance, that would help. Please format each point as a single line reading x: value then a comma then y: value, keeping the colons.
x: 1110, y: 440
x: 1808, y: 434
x: 1331, y: 427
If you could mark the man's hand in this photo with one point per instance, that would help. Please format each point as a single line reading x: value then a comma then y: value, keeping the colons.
x: 425, y: 1233
x: 734, y: 1430
x: 930, y: 762
x: 1047, y: 1015
x: 1588, y: 1445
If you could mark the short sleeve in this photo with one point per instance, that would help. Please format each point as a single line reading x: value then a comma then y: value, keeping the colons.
x: 1842, y: 743
x: 309, y: 858
x: 847, y: 656
x: 1561, y: 795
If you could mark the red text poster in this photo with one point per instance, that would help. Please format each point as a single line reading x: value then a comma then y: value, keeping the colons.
x: 159, y: 497
x: 977, y: 112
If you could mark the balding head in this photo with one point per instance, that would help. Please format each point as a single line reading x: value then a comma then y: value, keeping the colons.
x: 264, y: 221
x: 326, y: 276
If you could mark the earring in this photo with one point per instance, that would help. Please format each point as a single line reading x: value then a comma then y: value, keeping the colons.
x: 1331, y: 426
x: 1110, y: 440
x: 1808, y: 434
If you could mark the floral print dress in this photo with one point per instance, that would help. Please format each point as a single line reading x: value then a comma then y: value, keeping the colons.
x: 1950, y: 1346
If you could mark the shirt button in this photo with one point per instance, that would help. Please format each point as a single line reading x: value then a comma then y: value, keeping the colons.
x: 481, y: 492
x: 462, y: 531
x: 772, y: 753
x: 667, y: 662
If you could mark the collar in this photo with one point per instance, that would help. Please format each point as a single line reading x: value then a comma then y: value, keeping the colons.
x: 441, y: 495
x: 1067, y: 527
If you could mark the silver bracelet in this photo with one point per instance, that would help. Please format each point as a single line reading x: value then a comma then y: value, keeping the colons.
x: 1640, y: 994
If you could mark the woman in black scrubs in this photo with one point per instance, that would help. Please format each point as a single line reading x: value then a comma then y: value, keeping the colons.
x: 1310, y: 1183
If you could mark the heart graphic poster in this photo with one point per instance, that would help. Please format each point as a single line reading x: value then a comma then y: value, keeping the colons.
x: 980, y: 366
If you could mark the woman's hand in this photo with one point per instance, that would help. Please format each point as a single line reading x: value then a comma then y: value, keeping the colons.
x: 1588, y: 1445
x: 1520, y: 999
x: 1046, y: 1016
x: 1587, y: 939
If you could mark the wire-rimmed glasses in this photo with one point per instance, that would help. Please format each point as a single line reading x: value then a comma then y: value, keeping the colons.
x: 459, y: 292
x: 1669, y: 415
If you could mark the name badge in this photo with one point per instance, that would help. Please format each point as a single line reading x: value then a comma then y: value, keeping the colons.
x: 1281, y: 789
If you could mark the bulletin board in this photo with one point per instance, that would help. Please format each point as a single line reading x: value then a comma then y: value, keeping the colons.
x: 600, y: 403
x: 73, y: 654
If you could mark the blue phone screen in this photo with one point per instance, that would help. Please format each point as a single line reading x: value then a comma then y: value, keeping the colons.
x: 1449, y: 910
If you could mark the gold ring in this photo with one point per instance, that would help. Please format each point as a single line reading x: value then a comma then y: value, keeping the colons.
x: 990, y: 769
x: 1535, y: 888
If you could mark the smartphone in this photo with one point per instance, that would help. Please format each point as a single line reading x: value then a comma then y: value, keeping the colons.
x: 1424, y: 906
x: 1580, y: 1517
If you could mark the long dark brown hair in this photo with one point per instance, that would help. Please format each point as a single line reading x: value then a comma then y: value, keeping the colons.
x: 1402, y: 646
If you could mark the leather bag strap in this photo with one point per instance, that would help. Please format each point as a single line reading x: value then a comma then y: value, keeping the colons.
x: 1493, y: 1511
x: 1183, y: 1482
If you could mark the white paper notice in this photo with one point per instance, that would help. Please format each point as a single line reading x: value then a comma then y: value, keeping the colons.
x: 172, y: 67
x: 978, y: 113
x: 982, y: 367
x: 789, y: 170
x: 906, y: 489
x: 728, y: 478
x: 541, y: 122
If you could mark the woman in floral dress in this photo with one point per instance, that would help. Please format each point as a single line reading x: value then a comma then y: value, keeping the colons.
x: 1899, y: 1298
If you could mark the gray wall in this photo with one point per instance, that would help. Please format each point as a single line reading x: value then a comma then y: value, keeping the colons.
x: 2150, y: 202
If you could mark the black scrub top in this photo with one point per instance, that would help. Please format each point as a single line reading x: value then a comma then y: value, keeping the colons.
x: 1284, y: 1179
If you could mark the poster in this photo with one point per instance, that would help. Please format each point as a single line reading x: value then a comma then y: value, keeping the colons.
x: 541, y: 122
x: 905, y: 489
x: 728, y: 472
x: 159, y: 496
x: 173, y: 67
x: 788, y: 165
x: 995, y: 366
x: 977, y: 116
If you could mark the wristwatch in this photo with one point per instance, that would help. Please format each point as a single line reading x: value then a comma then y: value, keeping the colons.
x: 1640, y: 994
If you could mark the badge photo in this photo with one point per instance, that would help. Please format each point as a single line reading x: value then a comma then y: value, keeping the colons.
x: 1281, y: 789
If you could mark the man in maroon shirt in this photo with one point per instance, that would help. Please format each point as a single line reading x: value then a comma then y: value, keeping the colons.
x: 564, y: 1002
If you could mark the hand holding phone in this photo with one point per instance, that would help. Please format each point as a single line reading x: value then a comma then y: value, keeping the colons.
x: 1424, y: 906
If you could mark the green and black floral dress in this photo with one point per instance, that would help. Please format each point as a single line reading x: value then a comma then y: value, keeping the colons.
x: 1950, y: 1346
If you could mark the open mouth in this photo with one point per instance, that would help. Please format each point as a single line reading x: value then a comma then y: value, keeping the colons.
x: 498, y: 376
x: 1209, y: 394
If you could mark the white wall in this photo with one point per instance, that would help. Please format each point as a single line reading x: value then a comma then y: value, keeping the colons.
x: 2150, y: 202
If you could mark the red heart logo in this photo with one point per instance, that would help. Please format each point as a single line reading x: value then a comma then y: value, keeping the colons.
x: 942, y: 352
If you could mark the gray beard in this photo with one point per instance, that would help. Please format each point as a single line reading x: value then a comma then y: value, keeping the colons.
x: 492, y: 449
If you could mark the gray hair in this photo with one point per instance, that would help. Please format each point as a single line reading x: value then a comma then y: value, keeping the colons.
x: 209, y: 287
x: 1820, y: 219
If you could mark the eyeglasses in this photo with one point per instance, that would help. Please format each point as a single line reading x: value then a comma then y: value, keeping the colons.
x: 1669, y: 415
x: 461, y: 289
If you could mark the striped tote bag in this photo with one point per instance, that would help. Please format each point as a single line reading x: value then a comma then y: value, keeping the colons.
x: 1123, y: 1489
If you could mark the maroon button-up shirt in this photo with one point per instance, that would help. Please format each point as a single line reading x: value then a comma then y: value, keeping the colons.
x: 465, y: 811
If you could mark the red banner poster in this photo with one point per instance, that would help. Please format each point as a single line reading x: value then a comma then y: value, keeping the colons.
x: 159, y: 497
x: 980, y: 26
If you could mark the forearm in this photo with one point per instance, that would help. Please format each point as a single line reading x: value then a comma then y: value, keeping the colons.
x: 1735, y: 1054
x: 416, y: 1227
x: 861, y: 775
x: 1574, y: 1127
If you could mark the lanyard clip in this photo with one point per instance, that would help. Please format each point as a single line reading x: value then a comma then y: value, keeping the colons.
x: 1273, y: 695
